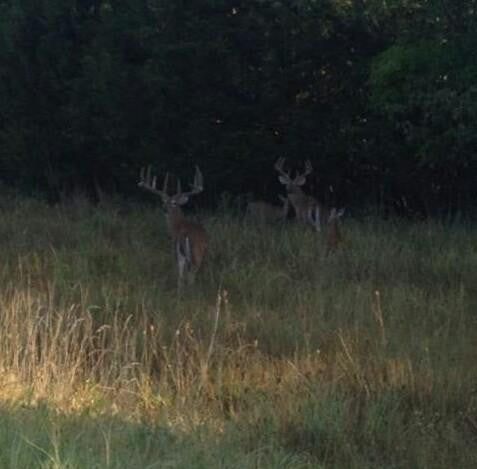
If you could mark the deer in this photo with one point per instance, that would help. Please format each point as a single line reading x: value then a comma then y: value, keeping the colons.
x: 334, y: 238
x: 189, y: 237
x: 307, y: 209
x: 264, y: 213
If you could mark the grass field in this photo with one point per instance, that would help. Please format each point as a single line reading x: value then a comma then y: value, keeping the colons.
x: 280, y: 356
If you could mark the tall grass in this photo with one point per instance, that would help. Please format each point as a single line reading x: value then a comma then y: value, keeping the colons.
x: 281, y: 355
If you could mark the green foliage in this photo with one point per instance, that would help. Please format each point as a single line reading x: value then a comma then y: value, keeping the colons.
x: 89, y: 94
x: 92, y: 90
x: 426, y: 89
x: 395, y: 71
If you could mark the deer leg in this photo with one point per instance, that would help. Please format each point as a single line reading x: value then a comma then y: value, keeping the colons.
x: 181, y: 264
x: 184, y: 259
x: 314, y: 218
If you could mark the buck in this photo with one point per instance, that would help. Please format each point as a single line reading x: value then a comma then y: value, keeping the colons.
x: 334, y: 238
x: 307, y: 209
x: 190, y: 238
x: 264, y: 213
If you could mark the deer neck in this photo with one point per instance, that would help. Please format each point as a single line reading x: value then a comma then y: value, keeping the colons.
x: 295, y: 190
x: 175, y: 218
x: 299, y: 200
x: 296, y: 195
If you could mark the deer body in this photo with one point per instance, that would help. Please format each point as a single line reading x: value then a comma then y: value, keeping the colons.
x: 334, y: 238
x: 189, y: 237
x: 263, y: 212
x: 307, y: 209
x: 190, y: 242
x: 303, y: 204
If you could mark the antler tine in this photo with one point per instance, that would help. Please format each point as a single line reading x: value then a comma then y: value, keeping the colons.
x: 198, y: 178
x: 148, y: 181
x: 148, y: 174
x: 142, y: 176
x: 164, y: 185
x: 308, y: 170
x: 197, y: 186
x: 308, y: 167
x: 279, y: 166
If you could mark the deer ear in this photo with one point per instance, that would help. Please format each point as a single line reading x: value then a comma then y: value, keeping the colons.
x: 299, y: 181
x: 181, y: 199
x: 284, y: 180
x: 165, y: 198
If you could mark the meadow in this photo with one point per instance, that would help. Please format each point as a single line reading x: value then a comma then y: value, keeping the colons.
x: 281, y: 355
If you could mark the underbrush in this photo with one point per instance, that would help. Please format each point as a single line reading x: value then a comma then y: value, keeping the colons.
x: 281, y: 355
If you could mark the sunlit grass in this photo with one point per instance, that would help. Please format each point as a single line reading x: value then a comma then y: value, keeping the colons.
x: 281, y: 354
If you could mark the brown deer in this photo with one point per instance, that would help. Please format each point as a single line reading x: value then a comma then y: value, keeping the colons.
x: 334, y: 238
x: 264, y: 213
x: 190, y: 238
x: 307, y: 209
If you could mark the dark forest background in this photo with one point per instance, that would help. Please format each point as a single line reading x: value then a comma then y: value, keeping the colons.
x: 381, y: 96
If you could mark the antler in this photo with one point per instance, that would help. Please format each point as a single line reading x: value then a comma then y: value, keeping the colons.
x: 308, y: 170
x: 279, y: 167
x: 197, y: 186
x: 148, y: 181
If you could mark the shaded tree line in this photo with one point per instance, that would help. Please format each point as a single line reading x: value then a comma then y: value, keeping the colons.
x: 380, y: 96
